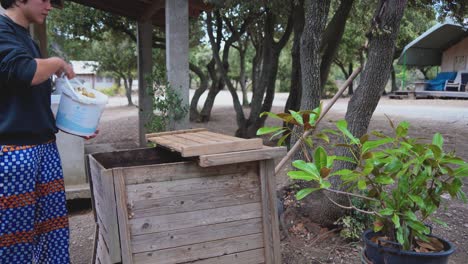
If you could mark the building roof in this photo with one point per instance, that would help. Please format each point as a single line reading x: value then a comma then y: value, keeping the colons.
x: 138, y: 9
x: 84, y: 67
x: 427, y: 49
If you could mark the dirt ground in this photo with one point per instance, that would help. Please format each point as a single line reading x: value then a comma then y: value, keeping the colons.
x: 305, y: 242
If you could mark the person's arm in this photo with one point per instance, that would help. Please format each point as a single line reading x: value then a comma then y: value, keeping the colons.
x: 46, y: 67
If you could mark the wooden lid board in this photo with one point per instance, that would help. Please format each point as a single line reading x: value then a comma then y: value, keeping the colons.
x: 197, y: 142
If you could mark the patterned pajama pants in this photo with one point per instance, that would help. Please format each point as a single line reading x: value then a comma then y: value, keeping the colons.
x: 33, y: 213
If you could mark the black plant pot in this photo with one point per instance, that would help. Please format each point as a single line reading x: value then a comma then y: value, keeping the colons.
x: 378, y: 254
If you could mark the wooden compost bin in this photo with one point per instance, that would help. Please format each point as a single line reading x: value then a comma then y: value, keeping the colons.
x: 155, y: 206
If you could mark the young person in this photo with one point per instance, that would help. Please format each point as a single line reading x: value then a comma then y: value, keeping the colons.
x: 33, y: 214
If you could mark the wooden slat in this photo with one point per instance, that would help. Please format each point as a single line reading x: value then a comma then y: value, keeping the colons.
x: 140, y: 226
x: 222, y: 147
x: 255, y: 256
x: 192, y: 143
x: 175, y: 139
x: 194, y: 137
x: 200, y: 185
x: 217, y: 137
x: 220, y: 136
x: 102, y: 253
x: 159, y: 134
x: 195, y: 202
x: 195, y: 235
x: 270, y: 212
x: 105, y: 206
x: 241, y: 156
x: 180, y: 171
x: 201, y: 251
x: 124, y: 229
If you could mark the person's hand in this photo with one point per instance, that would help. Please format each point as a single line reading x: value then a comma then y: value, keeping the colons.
x: 68, y: 70
x: 92, y: 136
x: 85, y: 137
x: 65, y: 69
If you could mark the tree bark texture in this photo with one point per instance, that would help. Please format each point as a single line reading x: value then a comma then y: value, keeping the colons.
x: 295, y: 91
x: 194, y: 114
x: 377, y: 69
x: 316, y: 13
x: 222, y: 69
x: 264, y: 89
x: 365, y: 99
x: 332, y: 38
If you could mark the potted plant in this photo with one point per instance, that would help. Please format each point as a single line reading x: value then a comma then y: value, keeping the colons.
x: 401, y: 180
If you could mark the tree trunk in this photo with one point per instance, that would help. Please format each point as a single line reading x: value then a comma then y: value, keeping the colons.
x: 332, y: 38
x: 128, y: 90
x: 264, y: 90
x: 242, y: 78
x: 217, y: 85
x: 351, y: 85
x: 240, y: 118
x: 295, y: 92
x: 393, y: 76
x: 377, y: 69
x: 194, y: 114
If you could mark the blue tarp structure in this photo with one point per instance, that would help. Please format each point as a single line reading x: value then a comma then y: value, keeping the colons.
x: 438, y: 83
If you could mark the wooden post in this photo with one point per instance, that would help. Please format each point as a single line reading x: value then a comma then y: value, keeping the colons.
x: 270, y: 212
x: 39, y: 34
x: 145, y: 67
x: 177, y: 48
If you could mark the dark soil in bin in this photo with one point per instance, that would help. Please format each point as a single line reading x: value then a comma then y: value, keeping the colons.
x: 138, y: 157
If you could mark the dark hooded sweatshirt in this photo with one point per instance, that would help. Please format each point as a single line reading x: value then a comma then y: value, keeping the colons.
x: 25, y: 114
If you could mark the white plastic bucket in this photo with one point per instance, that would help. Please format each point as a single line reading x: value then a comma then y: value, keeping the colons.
x: 77, y: 117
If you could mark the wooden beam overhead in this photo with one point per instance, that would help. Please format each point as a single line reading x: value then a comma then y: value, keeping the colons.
x: 141, y: 10
x: 155, y: 7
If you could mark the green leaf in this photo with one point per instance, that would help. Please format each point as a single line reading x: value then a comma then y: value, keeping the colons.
x: 282, y: 139
x: 456, y: 161
x: 330, y: 131
x: 310, y: 168
x: 323, y: 136
x: 438, y: 221
x: 418, y: 200
x: 461, y: 171
x: 396, y: 220
x: 402, y: 129
x: 325, y: 184
x: 384, y: 180
x: 267, y: 130
x: 393, y: 166
x: 304, y: 192
x: 411, y: 216
x: 302, y: 175
x: 312, y: 118
x: 419, y: 226
x: 342, y: 158
x: 378, y: 134
x: 362, y: 185
x: 386, y: 211
x: 270, y: 114
x: 278, y: 133
x: 320, y: 158
x: 454, y: 187
x: 438, y: 140
x: 400, y: 237
x: 309, y: 142
x: 297, y: 117
x: 436, y: 151
x: 342, y: 125
x: 364, y: 139
x: 342, y: 172
x: 370, y: 145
